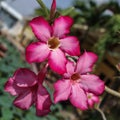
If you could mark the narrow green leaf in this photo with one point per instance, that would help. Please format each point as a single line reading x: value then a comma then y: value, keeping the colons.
x: 43, y: 7
x: 68, y: 11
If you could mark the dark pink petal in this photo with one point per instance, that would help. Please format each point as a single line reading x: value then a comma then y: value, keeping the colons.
x: 25, y: 77
x: 86, y: 62
x: 61, y: 26
x: 57, y: 61
x: 12, y: 88
x: 62, y: 90
x: 24, y: 100
x: 91, y: 103
x: 43, y: 102
x: 70, y: 69
x: 41, y: 28
x: 9, y: 87
x: 92, y: 83
x: 70, y: 45
x: 37, y: 52
x: 78, y: 97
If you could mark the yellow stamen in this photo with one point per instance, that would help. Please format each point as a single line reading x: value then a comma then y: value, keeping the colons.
x: 53, y: 43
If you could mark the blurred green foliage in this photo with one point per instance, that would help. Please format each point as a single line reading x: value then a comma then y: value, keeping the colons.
x: 110, y: 38
x: 96, y: 17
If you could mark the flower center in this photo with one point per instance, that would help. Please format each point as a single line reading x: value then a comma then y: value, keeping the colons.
x: 89, y: 96
x: 34, y: 87
x: 53, y: 43
x: 75, y: 76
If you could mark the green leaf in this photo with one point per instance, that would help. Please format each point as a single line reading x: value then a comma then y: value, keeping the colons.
x: 43, y: 7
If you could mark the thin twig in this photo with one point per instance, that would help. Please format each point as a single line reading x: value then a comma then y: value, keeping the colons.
x: 112, y: 92
x: 102, y: 113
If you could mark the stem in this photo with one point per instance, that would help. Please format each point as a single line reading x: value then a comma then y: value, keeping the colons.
x: 112, y: 92
x: 102, y: 113
x: 43, y: 7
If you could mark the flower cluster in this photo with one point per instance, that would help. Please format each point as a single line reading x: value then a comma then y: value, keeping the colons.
x: 77, y: 83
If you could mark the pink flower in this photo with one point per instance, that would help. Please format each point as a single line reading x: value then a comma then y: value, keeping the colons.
x: 92, y: 99
x: 53, y: 43
x: 28, y: 88
x: 77, y: 81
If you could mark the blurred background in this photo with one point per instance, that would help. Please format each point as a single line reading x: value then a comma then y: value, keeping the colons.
x: 96, y: 24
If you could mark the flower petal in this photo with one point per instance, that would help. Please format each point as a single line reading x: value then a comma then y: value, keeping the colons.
x: 70, y: 69
x: 37, y: 52
x: 12, y: 88
x: 25, y: 77
x: 86, y: 62
x: 43, y: 102
x: 78, y: 97
x: 62, y: 90
x: 41, y: 28
x: 9, y: 87
x: 61, y: 26
x: 70, y: 45
x: 24, y: 101
x: 92, y: 83
x: 57, y: 61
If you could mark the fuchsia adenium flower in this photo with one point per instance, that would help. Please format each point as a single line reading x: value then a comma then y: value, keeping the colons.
x: 92, y: 99
x: 77, y: 83
x: 28, y: 88
x: 53, y: 42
